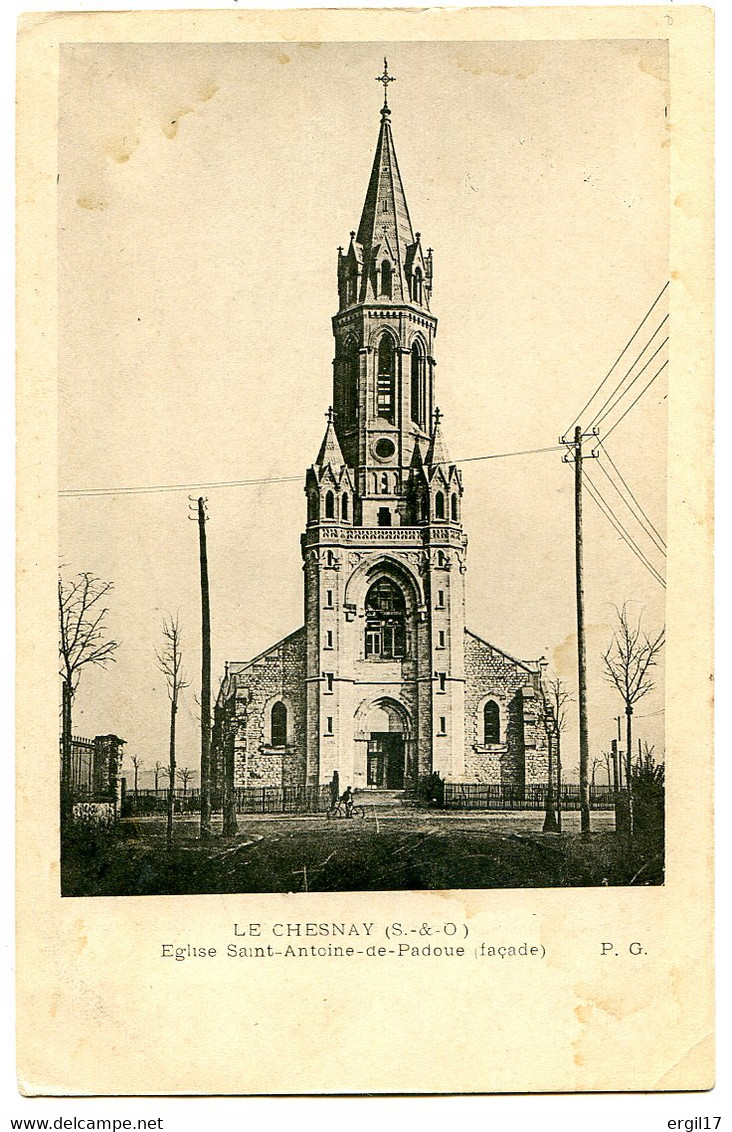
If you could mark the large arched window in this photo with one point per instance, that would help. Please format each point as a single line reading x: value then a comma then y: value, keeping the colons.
x: 491, y: 724
x: 386, y: 279
x: 418, y: 385
x: 385, y: 621
x: 350, y: 383
x: 344, y: 506
x: 278, y: 724
x: 439, y: 505
x: 454, y: 513
x: 329, y: 505
x: 385, y: 379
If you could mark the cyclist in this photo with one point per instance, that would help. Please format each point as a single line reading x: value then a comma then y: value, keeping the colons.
x: 347, y: 800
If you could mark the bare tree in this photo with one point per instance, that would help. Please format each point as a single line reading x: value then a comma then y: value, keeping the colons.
x: 558, y: 696
x: 648, y: 749
x: 137, y: 764
x: 602, y: 761
x: 156, y: 771
x: 169, y: 663
x: 186, y: 774
x: 628, y: 661
x: 82, y: 641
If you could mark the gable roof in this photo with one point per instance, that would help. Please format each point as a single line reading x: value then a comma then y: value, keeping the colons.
x: 527, y: 665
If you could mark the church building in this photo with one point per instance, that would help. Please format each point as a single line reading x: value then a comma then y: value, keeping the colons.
x: 384, y: 683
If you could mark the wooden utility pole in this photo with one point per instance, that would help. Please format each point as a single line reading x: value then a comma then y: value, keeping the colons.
x: 205, y: 678
x: 550, y: 817
x: 577, y: 456
x: 581, y: 650
x: 616, y: 781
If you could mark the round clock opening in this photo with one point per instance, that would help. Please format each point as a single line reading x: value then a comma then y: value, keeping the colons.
x: 384, y: 448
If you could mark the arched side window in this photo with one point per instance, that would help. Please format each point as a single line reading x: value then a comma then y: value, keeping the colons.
x: 439, y: 505
x: 386, y: 610
x: 386, y: 279
x: 344, y: 506
x: 418, y: 391
x: 491, y: 724
x: 278, y: 724
x: 454, y: 513
x: 417, y: 294
x: 350, y: 382
x: 313, y: 507
x: 329, y: 505
x: 385, y: 379
x: 351, y: 286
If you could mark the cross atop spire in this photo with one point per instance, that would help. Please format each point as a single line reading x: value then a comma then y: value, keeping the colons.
x: 437, y: 451
x: 386, y: 78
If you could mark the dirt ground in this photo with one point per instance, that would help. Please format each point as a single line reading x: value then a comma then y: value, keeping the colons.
x: 381, y: 852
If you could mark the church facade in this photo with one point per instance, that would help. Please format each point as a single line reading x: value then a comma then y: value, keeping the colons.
x: 384, y: 683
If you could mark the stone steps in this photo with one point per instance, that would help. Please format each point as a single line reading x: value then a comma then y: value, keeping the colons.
x: 381, y: 799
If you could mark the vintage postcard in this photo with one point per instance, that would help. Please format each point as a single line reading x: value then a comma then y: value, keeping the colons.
x: 365, y: 537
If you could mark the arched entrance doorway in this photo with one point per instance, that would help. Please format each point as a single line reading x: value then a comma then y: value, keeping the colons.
x: 385, y: 729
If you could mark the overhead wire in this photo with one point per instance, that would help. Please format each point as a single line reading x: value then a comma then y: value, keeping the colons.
x: 607, y: 510
x: 76, y: 493
x: 632, y: 496
x: 654, y: 539
x: 603, y: 411
x: 620, y: 355
x: 644, y: 390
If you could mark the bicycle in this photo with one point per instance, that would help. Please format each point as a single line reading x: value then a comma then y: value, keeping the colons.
x: 339, y: 811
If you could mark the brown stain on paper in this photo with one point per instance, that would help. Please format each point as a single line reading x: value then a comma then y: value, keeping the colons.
x: 120, y: 149
x: 94, y: 204
x: 83, y: 938
x: 476, y: 64
x: 655, y: 67
x: 170, y: 129
x: 204, y: 93
x: 685, y: 202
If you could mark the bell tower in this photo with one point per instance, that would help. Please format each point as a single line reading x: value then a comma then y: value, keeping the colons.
x: 383, y: 387
x: 384, y: 550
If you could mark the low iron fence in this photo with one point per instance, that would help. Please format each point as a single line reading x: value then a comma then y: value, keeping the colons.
x: 495, y: 796
x: 317, y: 799
x: 139, y: 803
x: 249, y: 800
x: 283, y: 800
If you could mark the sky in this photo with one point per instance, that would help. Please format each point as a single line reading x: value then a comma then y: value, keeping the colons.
x: 203, y: 192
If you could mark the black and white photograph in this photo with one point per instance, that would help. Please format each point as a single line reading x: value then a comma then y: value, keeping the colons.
x: 362, y: 578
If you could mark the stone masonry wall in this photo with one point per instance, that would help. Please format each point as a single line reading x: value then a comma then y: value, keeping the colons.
x: 520, y: 757
x: 278, y: 674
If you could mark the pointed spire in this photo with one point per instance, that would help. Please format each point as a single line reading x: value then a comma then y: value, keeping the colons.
x: 437, y: 451
x: 385, y: 228
x: 330, y: 449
